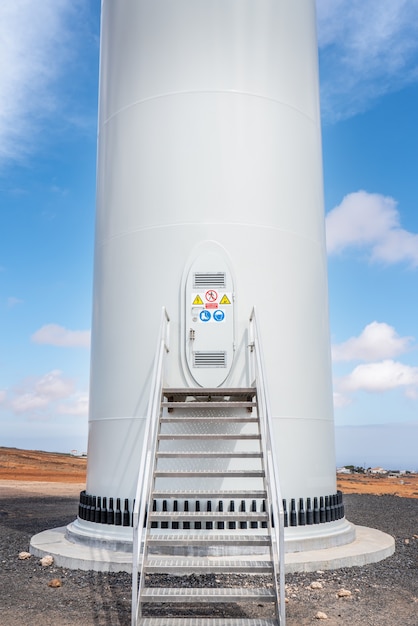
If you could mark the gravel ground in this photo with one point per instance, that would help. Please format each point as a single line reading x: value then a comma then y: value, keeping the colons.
x: 383, y: 594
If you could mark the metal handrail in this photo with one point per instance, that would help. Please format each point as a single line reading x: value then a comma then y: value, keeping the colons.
x: 274, y: 498
x: 143, y: 489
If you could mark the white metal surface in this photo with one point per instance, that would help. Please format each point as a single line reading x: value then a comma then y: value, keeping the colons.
x: 209, y: 134
x: 208, y: 340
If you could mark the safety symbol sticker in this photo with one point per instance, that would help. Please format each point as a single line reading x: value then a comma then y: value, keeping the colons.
x: 197, y: 300
x: 218, y: 315
x: 211, y: 295
x: 225, y: 300
x: 205, y: 315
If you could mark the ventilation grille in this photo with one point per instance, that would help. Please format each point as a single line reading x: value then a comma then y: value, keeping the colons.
x: 209, y: 359
x: 204, y: 280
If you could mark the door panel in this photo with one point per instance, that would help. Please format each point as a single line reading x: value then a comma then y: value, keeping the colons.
x: 209, y: 318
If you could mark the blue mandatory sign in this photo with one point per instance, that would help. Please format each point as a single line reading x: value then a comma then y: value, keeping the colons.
x: 218, y: 315
x: 204, y: 315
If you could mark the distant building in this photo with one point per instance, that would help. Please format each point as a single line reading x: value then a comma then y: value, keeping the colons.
x: 378, y: 470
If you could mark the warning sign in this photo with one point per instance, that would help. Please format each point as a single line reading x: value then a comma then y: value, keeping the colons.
x: 225, y: 300
x: 197, y: 300
x: 211, y: 295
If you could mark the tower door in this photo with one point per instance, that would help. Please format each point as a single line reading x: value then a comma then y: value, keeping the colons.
x: 209, y: 318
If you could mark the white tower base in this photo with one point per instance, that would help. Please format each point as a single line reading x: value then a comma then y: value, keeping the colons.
x: 366, y: 545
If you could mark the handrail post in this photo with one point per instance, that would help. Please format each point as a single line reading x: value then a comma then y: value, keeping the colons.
x: 147, y: 458
x: 272, y: 474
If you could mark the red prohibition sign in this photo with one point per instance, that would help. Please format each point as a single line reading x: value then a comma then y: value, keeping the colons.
x: 211, y: 295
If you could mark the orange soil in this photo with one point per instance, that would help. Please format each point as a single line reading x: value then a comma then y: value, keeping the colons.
x: 405, y: 486
x: 33, y: 465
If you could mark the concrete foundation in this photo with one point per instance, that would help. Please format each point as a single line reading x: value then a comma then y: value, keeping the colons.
x: 368, y: 546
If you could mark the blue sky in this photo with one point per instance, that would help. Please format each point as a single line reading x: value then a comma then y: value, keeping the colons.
x: 369, y: 100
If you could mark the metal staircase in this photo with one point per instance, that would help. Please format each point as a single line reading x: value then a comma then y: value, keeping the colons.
x: 207, y: 509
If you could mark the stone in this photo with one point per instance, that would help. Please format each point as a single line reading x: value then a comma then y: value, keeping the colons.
x: 55, y: 582
x: 316, y: 584
x: 344, y: 593
x: 24, y: 555
x: 321, y: 615
x: 47, y: 560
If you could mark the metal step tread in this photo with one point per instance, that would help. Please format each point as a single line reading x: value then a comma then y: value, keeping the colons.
x: 209, y: 455
x: 207, y: 565
x: 194, y: 539
x: 209, y: 391
x: 243, y: 419
x: 213, y: 436
x: 206, y: 594
x: 209, y: 404
x: 209, y: 494
x: 207, y: 621
x: 208, y: 516
x: 209, y: 473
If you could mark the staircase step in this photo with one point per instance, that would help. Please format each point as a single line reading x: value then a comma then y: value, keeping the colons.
x: 230, y: 419
x: 209, y: 404
x: 182, y: 566
x: 197, y: 548
x: 213, y: 436
x: 209, y: 391
x: 207, y: 594
x: 203, y: 539
x: 209, y: 494
x: 208, y: 516
x: 209, y: 473
x: 207, y: 621
x: 209, y: 455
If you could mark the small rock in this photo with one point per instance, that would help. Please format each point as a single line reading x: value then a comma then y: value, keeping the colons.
x: 24, y: 555
x: 406, y: 542
x: 344, y: 593
x: 55, y: 582
x: 321, y: 615
x: 316, y: 584
x: 46, y: 561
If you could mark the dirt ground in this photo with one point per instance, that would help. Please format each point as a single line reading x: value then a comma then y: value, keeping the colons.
x: 405, y: 486
x: 52, y: 467
x: 33, y: 465
x: 40, y: 490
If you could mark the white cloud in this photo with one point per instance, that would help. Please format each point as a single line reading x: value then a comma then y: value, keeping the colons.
x: 78, y: 404
x: 377, y: 341
x: 52, y: 385
x: 12, y: 302
x: 367, y: 48
x: 371, y: 221
x: 28, y: 402
x: 35, y: 44
x: 55, y: 335
x: 2, y: 395
x: 341, y: 400
x: 380, y: 377
x: 45, y: 397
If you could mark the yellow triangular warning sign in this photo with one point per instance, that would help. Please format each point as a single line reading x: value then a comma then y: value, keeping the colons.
x: 198, y: 300
x: 225, y: 300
